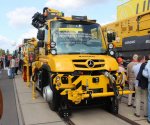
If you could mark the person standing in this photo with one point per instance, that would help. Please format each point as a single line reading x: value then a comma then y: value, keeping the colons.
x: 143, y: 84
x: 121, y: 67
x: 146, y: 73
x: 131, y: 77
x: 12, y: 66
x: 121, y: 70
x: 138, y: 90
x: 16, y: 65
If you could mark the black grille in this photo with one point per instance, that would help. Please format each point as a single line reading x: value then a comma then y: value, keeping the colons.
x: 98, y: 60
x: 80, y: 66
x: 99, y: 65
x: 83, y: 60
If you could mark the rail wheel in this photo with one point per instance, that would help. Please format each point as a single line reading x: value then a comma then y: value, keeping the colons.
x: 64, y: 110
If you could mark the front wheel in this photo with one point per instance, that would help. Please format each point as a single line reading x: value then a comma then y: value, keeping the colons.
x: 115, y: 105
x: 112, y: 105
x: 54, y: 103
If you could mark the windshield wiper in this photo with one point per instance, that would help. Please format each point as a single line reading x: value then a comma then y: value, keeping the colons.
x: 87, y: 53
x: 95, y: 53
x: 75, y: 53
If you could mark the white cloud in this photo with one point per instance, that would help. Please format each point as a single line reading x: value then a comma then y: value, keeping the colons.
x: 6, y: 43
x: 21, y: 16
x: 112, y: 19
x: 72, y: 4
x: 27, y: 35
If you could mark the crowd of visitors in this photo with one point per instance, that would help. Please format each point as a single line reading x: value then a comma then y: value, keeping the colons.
x: 13, y: 64
x: 138, y: 77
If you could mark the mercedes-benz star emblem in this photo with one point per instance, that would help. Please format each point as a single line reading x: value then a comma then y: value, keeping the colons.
x: 90, y: 63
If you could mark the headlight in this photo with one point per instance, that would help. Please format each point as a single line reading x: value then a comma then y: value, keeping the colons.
x: 53, y: 44
x: 112, y: 53
x: 57, y: 78
x: 53, y: 51
x: 110, y: 46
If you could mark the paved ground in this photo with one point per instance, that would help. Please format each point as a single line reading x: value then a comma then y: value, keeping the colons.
x: 34, y: 112
x: 37, y: 112
x: 95, y: 116
x: 10, y: 116
x: 128, y: 112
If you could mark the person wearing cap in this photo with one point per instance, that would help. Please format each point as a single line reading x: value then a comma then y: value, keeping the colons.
x: 131, y: 77
x: 121, y: 70
x: 121, y: 67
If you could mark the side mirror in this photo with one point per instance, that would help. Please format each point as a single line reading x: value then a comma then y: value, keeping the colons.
x: 40, y: 44
x: 41, y: 35
x: 111, y: 37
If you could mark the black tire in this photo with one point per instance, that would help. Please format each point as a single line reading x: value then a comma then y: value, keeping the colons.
x: 54, y: 104
x: 112, y: 105
x: 40, y: 87
x: 44, y: 80
x: 46, y: 73
x: 115, y: 106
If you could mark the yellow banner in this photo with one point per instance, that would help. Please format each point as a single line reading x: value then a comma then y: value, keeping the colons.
x: 71, y: 29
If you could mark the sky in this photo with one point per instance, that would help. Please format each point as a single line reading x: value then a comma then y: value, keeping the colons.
x: 16, y: 16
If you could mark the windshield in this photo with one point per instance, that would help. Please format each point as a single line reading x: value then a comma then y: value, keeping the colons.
x: 76, y: 37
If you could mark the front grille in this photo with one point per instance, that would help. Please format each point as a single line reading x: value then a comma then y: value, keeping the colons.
x: 83, y: 60
x: 98, y: 60
x: 80, y: 66
x: 99, y: 65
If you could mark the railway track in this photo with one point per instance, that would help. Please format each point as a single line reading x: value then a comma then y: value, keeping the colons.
x: 69, y: 120
x: 127, y: 120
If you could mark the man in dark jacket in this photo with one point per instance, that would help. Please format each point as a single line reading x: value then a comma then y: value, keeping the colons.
x: 146, y: 73
x: 140, y: 93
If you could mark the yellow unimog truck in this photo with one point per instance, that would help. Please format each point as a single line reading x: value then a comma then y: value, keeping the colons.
x: 74, y: 64
x: 131, y: 31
